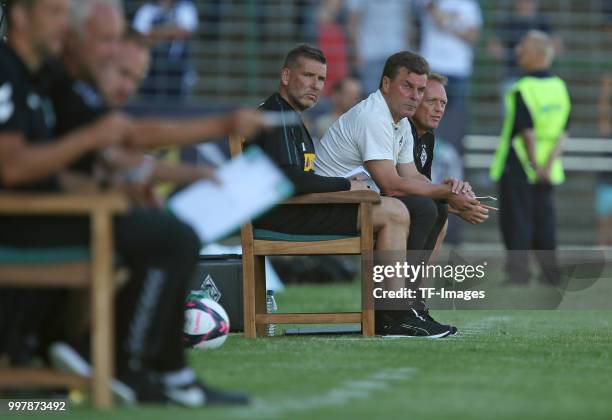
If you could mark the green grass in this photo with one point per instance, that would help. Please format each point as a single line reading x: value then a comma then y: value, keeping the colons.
x: 502, y: 365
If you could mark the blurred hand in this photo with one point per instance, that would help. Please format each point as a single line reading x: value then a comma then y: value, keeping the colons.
x: 359, y: 185
x: 543, y: 175
x: 207, y: 172
x: 111, y: 129
x: 246, y: 122
x: 121, y: 158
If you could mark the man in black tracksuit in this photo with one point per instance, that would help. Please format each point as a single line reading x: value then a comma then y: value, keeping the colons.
x: 160, y: 251
x: 425, y: 120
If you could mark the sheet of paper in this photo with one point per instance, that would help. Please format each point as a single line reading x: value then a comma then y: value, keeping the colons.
x: 360, y: 173
x: 249, y: 185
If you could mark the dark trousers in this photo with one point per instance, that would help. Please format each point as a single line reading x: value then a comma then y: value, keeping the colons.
x: 527, y: 221
x: 161, y: 254
x: 427, y: 219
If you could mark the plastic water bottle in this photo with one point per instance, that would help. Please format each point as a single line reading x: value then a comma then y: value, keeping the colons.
x: 272, y: 308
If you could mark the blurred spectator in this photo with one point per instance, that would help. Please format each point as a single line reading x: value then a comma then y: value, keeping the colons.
x: 525, y: 16
x: 378, y: 29
x: 346, y: 93
x: 332, y: 40
x: 527, y: 163
x: 450, y: 30
x: 168, y: 24
x: 603, y: 198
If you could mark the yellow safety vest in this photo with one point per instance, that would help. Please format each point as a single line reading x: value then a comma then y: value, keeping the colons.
x: 548, y: 102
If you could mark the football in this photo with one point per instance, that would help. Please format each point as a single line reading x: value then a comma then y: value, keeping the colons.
x: 206, y: 324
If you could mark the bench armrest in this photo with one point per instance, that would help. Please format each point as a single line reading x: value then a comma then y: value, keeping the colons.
x: 339, y: 197
x: 48, y: 203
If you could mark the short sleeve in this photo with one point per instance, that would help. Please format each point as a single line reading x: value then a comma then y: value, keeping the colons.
x: 187, y: 16
x: 406, y: 154
x: 374, y: 139
x: 354, y: 5
x: 523, y: 120
x: 10, y: 117
x: 472, y: 16
x: 143, y: 20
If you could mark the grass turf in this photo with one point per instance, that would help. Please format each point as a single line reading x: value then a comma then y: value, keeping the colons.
x: 502, y: 364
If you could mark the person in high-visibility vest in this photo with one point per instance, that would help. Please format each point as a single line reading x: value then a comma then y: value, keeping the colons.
x: 527, y: 162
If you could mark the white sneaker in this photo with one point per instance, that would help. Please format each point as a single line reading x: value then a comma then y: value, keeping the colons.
x: 66, y: 359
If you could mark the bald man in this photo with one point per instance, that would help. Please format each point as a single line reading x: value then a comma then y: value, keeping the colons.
x: 527, y: 162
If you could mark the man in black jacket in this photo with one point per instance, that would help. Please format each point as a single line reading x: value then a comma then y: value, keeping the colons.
x: 425, y: 120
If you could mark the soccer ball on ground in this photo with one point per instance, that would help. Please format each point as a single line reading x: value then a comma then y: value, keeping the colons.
x: 206, y: 323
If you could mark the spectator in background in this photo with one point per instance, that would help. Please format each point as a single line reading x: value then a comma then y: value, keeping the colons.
x: 603, y: 200
x: 527, y: 162
x: 525, y: 16
x: 332, y: 40
x: 169, y: 25
x: 449, y: 31
x: 378, y: 29
x: 346, y: 93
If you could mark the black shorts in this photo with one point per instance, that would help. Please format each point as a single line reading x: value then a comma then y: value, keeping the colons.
x: 311, y: 219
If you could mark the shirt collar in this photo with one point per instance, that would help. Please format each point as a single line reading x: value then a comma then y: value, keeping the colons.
x: 539, y: 73
x: 378, y: 96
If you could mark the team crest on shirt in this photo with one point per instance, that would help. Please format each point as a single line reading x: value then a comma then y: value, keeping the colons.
x: 6, y: 103
x: 89, y: 95
x: 309, y: 160
x: 423, y: 156
x: 33, y: 101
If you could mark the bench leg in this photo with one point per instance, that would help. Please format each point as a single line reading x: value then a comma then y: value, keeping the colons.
x: 260, y: 292
x: 102, y: 337
x: 248, y: 290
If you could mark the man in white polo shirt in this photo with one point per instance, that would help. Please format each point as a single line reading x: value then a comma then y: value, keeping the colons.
x: 377, y: 135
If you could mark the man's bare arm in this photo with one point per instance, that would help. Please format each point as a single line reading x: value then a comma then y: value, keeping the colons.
x: 410, y: 181
x: 556, y: 153
x: 153, y: 133
x: 22, y: 162
x: 529, y: 142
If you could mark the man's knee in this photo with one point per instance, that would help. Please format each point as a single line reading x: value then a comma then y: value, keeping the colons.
x: 423, y: 211
x: 394, y: 213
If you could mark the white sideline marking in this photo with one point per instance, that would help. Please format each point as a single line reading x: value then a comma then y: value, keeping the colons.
x: 337, y: 396
x: 478, y: 327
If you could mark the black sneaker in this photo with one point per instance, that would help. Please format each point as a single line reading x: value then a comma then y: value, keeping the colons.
x: 414, y: 324
x: 427, y: 316
x: 383, y: 318
x: 145, y: 384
